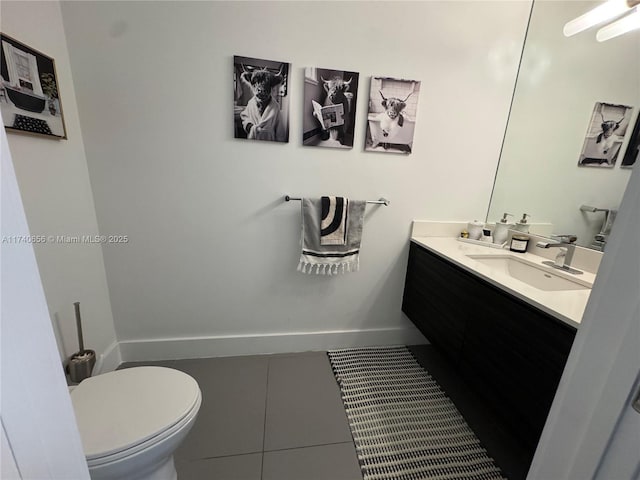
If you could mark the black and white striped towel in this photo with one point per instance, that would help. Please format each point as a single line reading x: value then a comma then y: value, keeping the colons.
x: 333, y: 227
x: 330, y: 259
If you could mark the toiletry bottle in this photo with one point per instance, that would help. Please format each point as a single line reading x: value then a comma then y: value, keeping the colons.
x: 486, y: 236
x: 501, y: 230
x: 522, y: 225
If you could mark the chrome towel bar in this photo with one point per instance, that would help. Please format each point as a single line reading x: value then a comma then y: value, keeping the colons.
x: 381, y: 201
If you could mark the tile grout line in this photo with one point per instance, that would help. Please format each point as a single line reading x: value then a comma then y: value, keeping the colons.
x: 217, y: 456
x: 264, y: 426
x: 350, y: 442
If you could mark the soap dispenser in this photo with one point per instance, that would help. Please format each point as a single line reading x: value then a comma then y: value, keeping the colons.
x: 501, y: 230
x: 522, y: 225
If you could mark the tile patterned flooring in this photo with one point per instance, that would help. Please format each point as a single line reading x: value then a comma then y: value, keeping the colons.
x: 280, y: 417
x: 266, y: 417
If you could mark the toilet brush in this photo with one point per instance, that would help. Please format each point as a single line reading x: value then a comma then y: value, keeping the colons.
x: 81, y: 363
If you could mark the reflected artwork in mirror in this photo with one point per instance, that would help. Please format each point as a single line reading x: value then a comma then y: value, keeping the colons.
x: 605, y: 135
x: 633, y: 149
x: 559, y: 81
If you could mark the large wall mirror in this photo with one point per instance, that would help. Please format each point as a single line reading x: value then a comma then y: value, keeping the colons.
x: 559, y: 84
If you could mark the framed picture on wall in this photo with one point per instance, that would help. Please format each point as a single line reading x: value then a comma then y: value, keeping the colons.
x: 605, y: 135
x: 393, y: 105
x: 260, y: 99
x: 29, y: 96
x: 330, y: 98
x: 633, y: 148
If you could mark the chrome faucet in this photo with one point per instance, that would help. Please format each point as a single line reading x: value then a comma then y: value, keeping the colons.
x: 567, y: 246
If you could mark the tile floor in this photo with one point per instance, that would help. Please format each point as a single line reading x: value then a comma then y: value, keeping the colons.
x: 266, y: 417
x: 280, y: 417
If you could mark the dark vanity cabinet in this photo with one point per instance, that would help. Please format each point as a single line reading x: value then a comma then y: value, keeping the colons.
x: 511, y: 353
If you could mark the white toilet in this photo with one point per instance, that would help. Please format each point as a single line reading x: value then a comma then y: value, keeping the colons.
x: 132, y: 420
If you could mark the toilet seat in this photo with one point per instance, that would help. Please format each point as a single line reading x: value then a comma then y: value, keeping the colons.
x: 127, y: 411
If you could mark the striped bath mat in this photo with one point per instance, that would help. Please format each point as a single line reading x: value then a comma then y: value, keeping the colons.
x: 403, y: 425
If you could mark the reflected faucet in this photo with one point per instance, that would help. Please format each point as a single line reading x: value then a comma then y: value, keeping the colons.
x: 600, y: 240
x: 567, y: 246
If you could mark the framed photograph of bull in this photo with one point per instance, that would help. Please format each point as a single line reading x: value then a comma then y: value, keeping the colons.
x: 393, y: 105
x: 29, y: 97
x: 330, y: 98
x: 632, y: 153
x: 605, y: 134
x: 260, y: 100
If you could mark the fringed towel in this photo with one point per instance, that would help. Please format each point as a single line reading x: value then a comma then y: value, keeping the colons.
x: 333, y: 227
x: 330, y: 259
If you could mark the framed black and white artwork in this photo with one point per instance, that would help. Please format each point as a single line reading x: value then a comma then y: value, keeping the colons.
x: 260, y: 99
x: 393, y: 106
x: 29, y: 96
x: 605, y: 134
x: 330, y: 98
x: 632, y: 154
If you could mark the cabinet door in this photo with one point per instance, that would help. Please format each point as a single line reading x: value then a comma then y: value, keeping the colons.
x: 514, y: 355
x: 435, y: 300
x: 508, y: 351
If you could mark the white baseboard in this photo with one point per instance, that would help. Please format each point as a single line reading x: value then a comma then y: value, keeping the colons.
x: 237, y: 345
x: 109, y: 360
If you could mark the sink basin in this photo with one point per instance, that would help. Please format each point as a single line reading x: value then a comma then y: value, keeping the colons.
x: 534, y: 275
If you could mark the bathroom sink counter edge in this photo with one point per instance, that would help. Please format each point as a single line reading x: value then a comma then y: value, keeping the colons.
x: 566, y: 305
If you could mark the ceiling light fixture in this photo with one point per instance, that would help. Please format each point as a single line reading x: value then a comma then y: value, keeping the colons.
x: 609, y: 10
x: 628, y: 23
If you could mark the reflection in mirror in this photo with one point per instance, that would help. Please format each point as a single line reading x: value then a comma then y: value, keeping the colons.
x: 559, y: 84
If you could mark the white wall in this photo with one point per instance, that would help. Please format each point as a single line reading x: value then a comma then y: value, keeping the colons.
x: 213, y: 248
x: 57, y: 196
x: 560, y: 81
x: 39, y: 434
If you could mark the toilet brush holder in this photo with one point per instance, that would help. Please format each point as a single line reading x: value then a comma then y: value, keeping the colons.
x: 82, y: 362
x: 81, y: 365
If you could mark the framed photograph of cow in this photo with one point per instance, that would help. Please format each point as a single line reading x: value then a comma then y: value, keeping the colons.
x: 393, y: 105
x: 330, y: 98
x: 260, y: 100
x: 632, y: 153
x: 29, y: 96
x: 605, y: 135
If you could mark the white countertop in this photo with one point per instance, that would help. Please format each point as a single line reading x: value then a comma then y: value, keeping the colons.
x: 566, y: 305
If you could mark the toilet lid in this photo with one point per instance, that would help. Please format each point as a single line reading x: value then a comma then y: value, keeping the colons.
x: 118, y: 410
